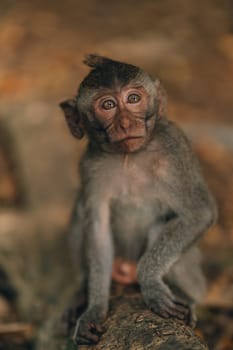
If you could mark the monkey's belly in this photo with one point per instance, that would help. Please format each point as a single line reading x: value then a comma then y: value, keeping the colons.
x: 130, y: 225
x: 124, y: 271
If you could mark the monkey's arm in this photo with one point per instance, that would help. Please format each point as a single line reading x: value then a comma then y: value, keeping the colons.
x: 99, y: 255
x: 184, y: 191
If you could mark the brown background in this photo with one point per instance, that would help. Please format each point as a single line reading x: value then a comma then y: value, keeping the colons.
x: 188, y: 44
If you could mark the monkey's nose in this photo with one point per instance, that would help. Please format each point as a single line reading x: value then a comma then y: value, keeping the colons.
x: 124, y: 123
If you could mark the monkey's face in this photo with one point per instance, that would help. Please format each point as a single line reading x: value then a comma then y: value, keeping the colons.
x: 121, y: 115
x: 117, y: 106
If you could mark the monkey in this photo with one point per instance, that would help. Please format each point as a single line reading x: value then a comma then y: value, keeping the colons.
x: 143, y: 203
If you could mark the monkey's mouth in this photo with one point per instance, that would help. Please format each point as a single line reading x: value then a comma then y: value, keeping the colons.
x: 129, y: 138
x: 129, y: 143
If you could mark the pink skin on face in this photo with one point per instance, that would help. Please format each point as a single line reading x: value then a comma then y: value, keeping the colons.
x: 122, y: 115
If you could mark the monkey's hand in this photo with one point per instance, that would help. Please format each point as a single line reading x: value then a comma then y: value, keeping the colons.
x: 163, y: 302
x: 89, y: 327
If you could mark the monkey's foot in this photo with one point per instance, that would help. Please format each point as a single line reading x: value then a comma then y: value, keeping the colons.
x: 162, y: 302
x: 88, y: 329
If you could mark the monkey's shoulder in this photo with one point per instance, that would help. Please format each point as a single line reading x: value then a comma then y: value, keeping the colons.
x: 174, y: 144
x: 171, y: 136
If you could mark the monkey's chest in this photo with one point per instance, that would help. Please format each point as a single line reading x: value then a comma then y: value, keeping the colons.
x: 133, y: 212
x: 135, y: 199
x: 135, y: 208
x: 135, y: 184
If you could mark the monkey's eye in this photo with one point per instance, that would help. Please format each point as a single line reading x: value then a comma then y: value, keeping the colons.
x: 108, y: 104
x: 133, y: 98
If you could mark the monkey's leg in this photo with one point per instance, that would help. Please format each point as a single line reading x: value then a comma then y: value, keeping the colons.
x: 187, y: 280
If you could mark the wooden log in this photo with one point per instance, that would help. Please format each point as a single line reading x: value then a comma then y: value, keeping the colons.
x: 130, y: 325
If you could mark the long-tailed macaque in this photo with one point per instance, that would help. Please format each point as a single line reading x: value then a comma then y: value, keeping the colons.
x: 142, y: 201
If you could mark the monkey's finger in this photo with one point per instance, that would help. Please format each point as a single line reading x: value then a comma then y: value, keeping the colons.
x: 191, y: 319
x: 83, y: 334
x: 82, y: 341
x: 167, y: 308
x: 161, y: 308
x: 182, y: 309
x: 163, y: 314
x: 171, y: 312
x: 88, y: 336
x: 180, y: 302
x: 176, y: 313
x: 182, y: 306
x: 97, y: 328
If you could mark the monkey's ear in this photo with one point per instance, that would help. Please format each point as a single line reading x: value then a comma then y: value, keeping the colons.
x: 161, y: 98
x: 72, y: 116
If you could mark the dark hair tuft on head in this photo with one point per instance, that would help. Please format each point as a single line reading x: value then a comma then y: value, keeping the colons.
x: 95, y: 61
x: 105, y: 72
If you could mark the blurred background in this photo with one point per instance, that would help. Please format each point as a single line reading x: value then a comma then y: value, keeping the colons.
x: 189, y: 46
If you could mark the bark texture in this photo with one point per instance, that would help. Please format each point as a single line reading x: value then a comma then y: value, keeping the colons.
x: 131, y: 326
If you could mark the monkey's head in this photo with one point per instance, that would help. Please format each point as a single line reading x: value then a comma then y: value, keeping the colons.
x: 117, y: 106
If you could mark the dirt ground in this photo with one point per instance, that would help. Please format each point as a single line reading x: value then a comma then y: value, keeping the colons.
x: 189, y: 46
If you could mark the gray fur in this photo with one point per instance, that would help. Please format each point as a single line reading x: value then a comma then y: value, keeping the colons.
x: 151, y: 209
